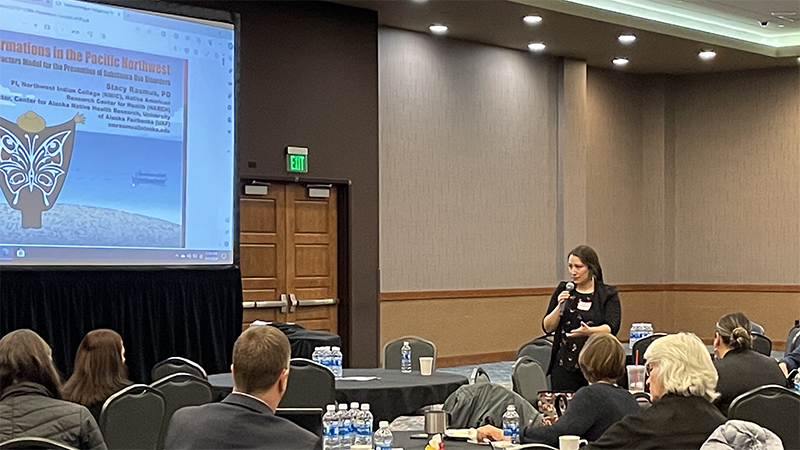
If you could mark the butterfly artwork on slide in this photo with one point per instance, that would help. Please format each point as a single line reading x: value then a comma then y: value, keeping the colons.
x: 34, y: 160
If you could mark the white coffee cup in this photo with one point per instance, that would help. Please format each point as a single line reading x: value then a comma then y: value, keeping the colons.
x: 425, y: 365
x: 570, y: 442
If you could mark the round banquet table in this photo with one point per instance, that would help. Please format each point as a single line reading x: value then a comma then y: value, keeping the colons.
x: 394, y: 394
x: 402, y: 439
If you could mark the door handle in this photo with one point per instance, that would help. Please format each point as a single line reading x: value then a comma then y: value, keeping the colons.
x: 294, y: 301
x: 284, y: 302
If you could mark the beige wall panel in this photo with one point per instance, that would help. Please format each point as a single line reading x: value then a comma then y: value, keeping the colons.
x: 642, y: 307
x: 697, y: 312
x: 737, y: 177
x: 467, y: 161
x: 466, y: 326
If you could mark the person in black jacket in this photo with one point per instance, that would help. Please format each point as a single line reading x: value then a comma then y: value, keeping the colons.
x: 740, y: 368
x: 246, y: 419
x: 682, y: 381
x: 29, y: 396
x: 594, y: 408
x: 575, y: 314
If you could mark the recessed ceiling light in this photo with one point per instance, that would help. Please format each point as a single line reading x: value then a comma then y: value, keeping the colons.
x: 536, y: 46
x: 707, y: 54
x: 620, y: 61
x: 626, y: 38
x: 438, y: 28
x: 532, y: 20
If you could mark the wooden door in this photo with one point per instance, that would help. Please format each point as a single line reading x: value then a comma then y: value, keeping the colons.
x: 311, y: 257
x: 288, y: 256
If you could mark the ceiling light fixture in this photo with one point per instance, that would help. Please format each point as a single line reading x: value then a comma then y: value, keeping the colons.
x: 626, y: 39
x: 532, y: 20
x: 620, y: 61
x: 438, y: 28
x: 536, y: 46
x: 707, y: 55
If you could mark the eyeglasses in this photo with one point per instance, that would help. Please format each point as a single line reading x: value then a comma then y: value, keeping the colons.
x: 648, y: 368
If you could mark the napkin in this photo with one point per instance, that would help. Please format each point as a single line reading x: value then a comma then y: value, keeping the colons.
x: 435, y: 443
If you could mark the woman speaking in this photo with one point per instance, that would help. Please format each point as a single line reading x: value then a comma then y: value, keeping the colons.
x: 577, y: 309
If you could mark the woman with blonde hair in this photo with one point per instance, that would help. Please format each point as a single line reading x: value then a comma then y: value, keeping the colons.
x: 740, y: 368
x: 595, y: 407
x: 99, y: 370
x: 682, y: 381
x: 29, y: 396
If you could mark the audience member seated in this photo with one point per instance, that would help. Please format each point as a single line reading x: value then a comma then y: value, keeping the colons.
x: 29, y: 396
x: 682, y: 381
x: 595, y: 407
x: 245, y: 418
x: 99, y: 371
x: 790, y: 362
x: 740, y: 368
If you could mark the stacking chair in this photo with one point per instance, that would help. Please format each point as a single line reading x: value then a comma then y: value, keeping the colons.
x: 643, y: 399
x: 310, y: 385
x: 34, y: 443
x: 419, y: 347
x: 176, y: 364
x: 762, y: 344
x: 133, y: 418
x: 479, y: 375
x: 641, y: 345
x: 792, y: 341
x: 773, y: 407
x: 181, y: 390
x: 540, y: 350
x: 527, y: 379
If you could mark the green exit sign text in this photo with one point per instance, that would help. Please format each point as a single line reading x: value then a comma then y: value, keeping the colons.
x: 297, y: 159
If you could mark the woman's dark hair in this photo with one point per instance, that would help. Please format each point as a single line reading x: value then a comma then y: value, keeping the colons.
x: 24, y: 356
x: 99, y: 370
x: 588, y: 256
x: 734, y: 330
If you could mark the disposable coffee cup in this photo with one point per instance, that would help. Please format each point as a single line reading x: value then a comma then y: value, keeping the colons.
x: 426, y: 365
x: 636, y: 378
x: 570, y: 442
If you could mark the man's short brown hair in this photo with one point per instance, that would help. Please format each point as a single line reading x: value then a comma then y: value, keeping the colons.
x: 259, y: 356
x: 602, y: 358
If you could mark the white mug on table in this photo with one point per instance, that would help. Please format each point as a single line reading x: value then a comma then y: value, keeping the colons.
x: 569, y: 442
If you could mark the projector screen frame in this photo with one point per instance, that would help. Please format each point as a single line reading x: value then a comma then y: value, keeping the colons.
x: 198, y: 14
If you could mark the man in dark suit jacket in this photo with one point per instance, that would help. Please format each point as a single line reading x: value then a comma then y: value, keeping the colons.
x: 246, y: 419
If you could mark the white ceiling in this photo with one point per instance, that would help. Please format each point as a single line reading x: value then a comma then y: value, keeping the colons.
x: 775, y: 12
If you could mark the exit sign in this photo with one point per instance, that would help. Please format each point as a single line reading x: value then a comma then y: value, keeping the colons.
x: 297, y: 159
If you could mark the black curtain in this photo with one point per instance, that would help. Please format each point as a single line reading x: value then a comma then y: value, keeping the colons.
x: 194, y: 313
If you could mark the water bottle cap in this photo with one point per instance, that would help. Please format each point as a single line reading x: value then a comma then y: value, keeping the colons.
x: 511, y: 408
x: 365, y: 406
x: 405, y: 342
x: 383, y: 424
x: 342, y: 406
x: 331, y: 407
x: 354, y: 405
x: 335, y: 348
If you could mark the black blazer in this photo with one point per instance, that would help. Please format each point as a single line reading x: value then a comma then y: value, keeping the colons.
x: 236, y: 422
x: 610, y: 309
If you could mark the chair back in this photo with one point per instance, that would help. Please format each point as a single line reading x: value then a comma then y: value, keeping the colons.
x: 34, y: 443
x: 643, y: 399
x: 181, y: 390
x: 762, y: 344
x: 540, y: 350
x: 176, y: 364
x: 310, y: 385
x: 640, y: 346
x: 792, y: 341
x: 309, y: 419
x: 133, y: 418
x: 479, y: 375
x: 527, y: 379
x: 774, y: 408
x: 419, y: 347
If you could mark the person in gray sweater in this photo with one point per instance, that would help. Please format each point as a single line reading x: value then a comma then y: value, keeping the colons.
x: 29, y: 397
x: 594, y: 408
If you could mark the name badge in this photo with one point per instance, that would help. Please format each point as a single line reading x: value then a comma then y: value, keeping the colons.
x: 584, y: 306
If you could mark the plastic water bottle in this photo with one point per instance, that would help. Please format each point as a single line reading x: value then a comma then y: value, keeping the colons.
x: 405, y: 358
x: 797, y: 383
x: 648, y: 330
x: 330, y: 429
x: 344, y: 426
x: 383, y: 437
x: 325, y: 358
x: 316, y: 355
x: 635, y: 335
x: 511, y: 425
x: 364, y: 426
x: 336, y: 361
x: 353, y: 417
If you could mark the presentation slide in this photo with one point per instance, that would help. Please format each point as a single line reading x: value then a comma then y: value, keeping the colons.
x: 116, y: 136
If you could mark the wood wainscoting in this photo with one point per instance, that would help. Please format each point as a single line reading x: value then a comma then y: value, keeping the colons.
x: 488, y: 325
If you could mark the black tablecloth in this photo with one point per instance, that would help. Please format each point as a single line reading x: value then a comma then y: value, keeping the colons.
x: 394, y: 394
x: 402, y: 439
x: 304, y: 341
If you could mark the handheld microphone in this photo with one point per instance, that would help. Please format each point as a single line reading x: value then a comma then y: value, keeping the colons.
x: 568, y: 287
